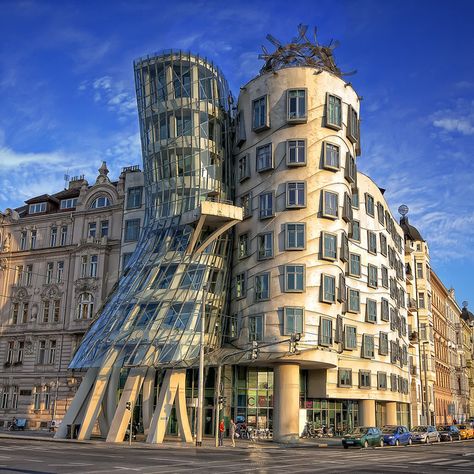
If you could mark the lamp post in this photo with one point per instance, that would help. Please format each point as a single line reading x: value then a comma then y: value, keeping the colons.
x: 201, y: 370
x: 426, y: 382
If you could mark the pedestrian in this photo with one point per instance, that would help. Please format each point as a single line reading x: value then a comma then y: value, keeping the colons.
x: 232, y: 432
x: 221, y: 433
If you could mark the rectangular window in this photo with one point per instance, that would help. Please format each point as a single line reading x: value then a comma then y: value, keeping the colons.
x: 246, y: 204
x: 330, y: 156
x: 294, y: 278
x: 28, y: 274
x: 42, y: 352
x: 56, y: 311
x: 344, y: 255
x: 384, y: 310
x: 371, y: 311
x: 266, y: 203
x: 355, y: 198
x: 64, y: 235
x: 262, y: 287
x: 369, y: 205
x: 328, y: 290
x: 184, y: 123
x: 134, y: 197
x: 15, y: 312
x: 296, y: 153
x: 23, y: 240
x: 381, y: 380
x: 241, y: 285
x: 132, y: 230
x: 328, y: 246
x: 393, y: 383
x: 53, y: 237
x: 344, y: 378
x: 384, y: 276
x: 293, y: 320
x: 68, y: 203
x: 333, y: 111
x: 355, y: 231
x: 92, y: 229
x: 37, y: 208
x: 260, y: 116
x: 244, y: 167
x: 296, y: 194
x: 164, y: 277
x: 342, y: 291
x: 350, y: 172
x: 368, y: 346
x: 18, y: 274
x: 421, y: 300
x: 265, y: 245
x: 325, y: 332
x: 256, y: 327
x: 352, y: 125
x: 243, y: 246
x: 10, y: 352
x: 295, y: 236
x: 372, y: 278
x: 93, y: 266
x: 364, y: 379
x: 20, y: 351
x: 192, y: 277
x: 350, y: 337
x: 83, y: 266
x: 37, y: 398
x: 354, y: 301
x: 330, y: 204
x: 33, y: 239
x: 240, y: 135
x: 372, y: 242
x: 354, y: 264
x: 52, y: 352
x: 104, y: 228
x: 24, y: 318
x: 49, y: 272
x: 296, y: 105
x: 383, y: 245
x: 419, y: 270
x: 380, y: 213
x: 347, y: 208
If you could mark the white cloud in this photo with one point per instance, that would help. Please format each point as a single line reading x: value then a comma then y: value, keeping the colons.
x: 463, y: 126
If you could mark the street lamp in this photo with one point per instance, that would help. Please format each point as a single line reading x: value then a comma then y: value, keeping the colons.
x: 425, y: 363
x: 201, y: 369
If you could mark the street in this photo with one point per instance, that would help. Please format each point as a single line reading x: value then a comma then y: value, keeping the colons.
x: 45, y: 457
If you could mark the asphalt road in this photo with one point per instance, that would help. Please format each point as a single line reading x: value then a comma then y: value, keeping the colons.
x: 45, y: 457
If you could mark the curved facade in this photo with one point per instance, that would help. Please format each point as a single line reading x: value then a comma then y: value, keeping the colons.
x: 318, y: 252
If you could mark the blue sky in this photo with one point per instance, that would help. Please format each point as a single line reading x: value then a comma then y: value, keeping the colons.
x: 67, y: 96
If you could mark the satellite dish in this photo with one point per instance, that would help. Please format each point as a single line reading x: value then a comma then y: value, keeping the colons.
x: 403, y: 210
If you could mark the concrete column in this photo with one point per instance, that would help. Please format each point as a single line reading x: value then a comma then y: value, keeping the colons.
x: 391, y: 413
x: 148, y: 391
x: 367, y: 413
x: 286, y: 394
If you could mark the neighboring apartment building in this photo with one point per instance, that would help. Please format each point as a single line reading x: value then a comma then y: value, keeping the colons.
x: 468, y: 318
x: 60, y: 258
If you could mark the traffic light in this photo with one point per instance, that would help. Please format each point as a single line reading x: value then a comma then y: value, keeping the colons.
x: 294, y: 339
x: 222, y: 401
x: 255, y: 350
x: 128, y: 405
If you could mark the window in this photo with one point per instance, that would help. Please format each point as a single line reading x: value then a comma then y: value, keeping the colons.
x: 364, y: 379
x: 354, y: 301
x: 294, y: 278
x: 372, y: 242
x: 49, y: 272
x: 5, y: 398
x: 102, y: 201
x: 347, y: 208
x: 132, y: 230
x: 10, y: 352
x: 293, y: 320
x: 193, y: 277
x: 344, y: 378
x: 330, y: 204
x: 350, y: 337
x: 20, y: 351
x: 371, y: 311
x: 355, y: 198
x: 352, y: 125
x: 104, y: 228
x: 240, y: 135
x: 126, y: 259
x: 368, y: 346
x: 333, y: 111
x: 68, y: 203
x: 265, y: 245
x: 24, y: 318
x: 328, y: 246
x: 42, y: 352
x: 164, y: 277
x: 92, y: 229
x: 260, y: 118
x: 262, y: 287
x: 295, y: 236
x: 246, y: 204
x: 384, y: 276
x: 53, y: 238
x: 421, y: 300
x: 33, y: 239
x: 241, y: 285
x: 328, y: 290
x: 93, y: 266
x: 380, y: 213
x: 384, y: 310
x: 184, y: 123
x: 383, y: 245
x: 181, y: 81
x: 23, y: 240
x: 28, y: 274
x: 15, y: 312
x: 64, y: 235
x: 372, y: 278
x: 355, y: 230
x: 86, y: 306
x: 18, y: 274
x: 134, y: 197
x: 47, y: 397
x: 256, y: 327
x: 296, y: 194
x: 325, y: 332
x: 354, y: 265
x: 37, y: 398
x: 83, y: 266
x: 381, y: 380
x: 393, y: 383
x: 56, y: 311
x: 344, y: 255
x: 266, y: 205
x: 244, y: 167
x: 342, y: 292
x: 296, y: 152
x: 419, y: 270
x: 296, y: 105
x: 52, y: 352
x: 369, y: 205
x: 243, y: 246
x: 37, y: 208
x: 330, y: 156
x: 351, y: 171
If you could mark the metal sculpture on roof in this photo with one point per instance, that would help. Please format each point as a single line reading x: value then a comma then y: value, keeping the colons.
x: 301, y: 51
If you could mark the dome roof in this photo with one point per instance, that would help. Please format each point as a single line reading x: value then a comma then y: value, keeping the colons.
x: 467, y: 315
x: 411, y: 232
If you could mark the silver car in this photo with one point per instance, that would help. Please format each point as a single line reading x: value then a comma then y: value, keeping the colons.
x: 425, y: 434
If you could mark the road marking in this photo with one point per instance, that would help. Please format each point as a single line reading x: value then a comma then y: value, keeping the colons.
x: 429, y: 461
x: 453, y: 462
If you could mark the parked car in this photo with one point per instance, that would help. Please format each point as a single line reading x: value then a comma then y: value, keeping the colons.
x: 425, y: 434
x: 394, y: 435
x: 449, y: 432
x: 466, y: 431
x: 363, y: 436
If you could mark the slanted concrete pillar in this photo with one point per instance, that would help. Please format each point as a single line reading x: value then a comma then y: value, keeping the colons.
x: 367, y: 413
x: 391, y: 413
x: 286, y: 394
x: 147, y: 399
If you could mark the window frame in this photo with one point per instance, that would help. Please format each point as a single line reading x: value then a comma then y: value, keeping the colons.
x: 351, y: 233
x: 349, y: 308
x: 267, y: 275
x: 297, y: 191
x: 365, y: 373
x: 369, y: 199
x: 259, y: 337
x: 286, y: 273
x: 129, y: 194
x: 324, y: 277
x: 296, y: 147
x: 265, y: 195
x: 323, y: 337
x: 371, y: 249
x: 247, y: 246
x: 340, y: 382
x: 350, y: 272
x: 372, y: 271
x: 382, y: 376
x: 266, y: 124
x: 296, y: 231
x: 298, y: 118
x: 246, y: 197
x: 327, y: 122
x: 128, y: 224
x: 271, y: 164
x: 286, y: 331
x: 260, y: 236
x: 369, y: 316
x: 347, y: 340
x: 324, y: 255
x: 324, y: 211
x: 329, y: 166
x: 242, y: 276
x: 244, y: 171
x: 366, y: 346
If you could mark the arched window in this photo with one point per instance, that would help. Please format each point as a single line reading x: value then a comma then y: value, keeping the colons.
x: 102, y: 201
x: 86, y: 306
